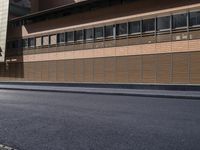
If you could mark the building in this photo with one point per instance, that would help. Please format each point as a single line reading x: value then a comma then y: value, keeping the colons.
x: 4, y: 9
x: 106, y: 41
x: 19, y: 8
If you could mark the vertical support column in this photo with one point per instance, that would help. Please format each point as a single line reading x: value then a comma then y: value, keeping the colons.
x: 4, y: 10
x: 189, y: 68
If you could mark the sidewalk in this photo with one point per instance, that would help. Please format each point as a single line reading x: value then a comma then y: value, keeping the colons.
x: 106, y: 91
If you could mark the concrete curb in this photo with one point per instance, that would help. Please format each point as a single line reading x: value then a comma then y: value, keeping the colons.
x: 90, y: 91
x: 150, y: 86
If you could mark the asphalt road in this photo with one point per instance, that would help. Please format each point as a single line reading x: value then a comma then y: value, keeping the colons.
x: 64, y: 121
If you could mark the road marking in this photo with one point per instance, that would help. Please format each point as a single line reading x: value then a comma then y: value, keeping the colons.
x: 3, y: 147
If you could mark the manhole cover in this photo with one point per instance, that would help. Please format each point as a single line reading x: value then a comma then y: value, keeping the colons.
x: 3, y: 147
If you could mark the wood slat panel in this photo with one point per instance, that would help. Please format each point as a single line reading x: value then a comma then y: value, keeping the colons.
x: 195, y: 68
x: 52, y: 70
x: 134, y: 67
x: 45, y: 73
x: 149, y: 68
x: 164, y: 68
x: 60, y: 73
x: 38, y: 71
x: 110, y: 69
x: 180, y: 68
x: 78, y: 70
x: 69, y: 77
x: 88, y: 70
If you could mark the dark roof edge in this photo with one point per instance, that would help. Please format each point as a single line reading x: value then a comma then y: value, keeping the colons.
x: 59, y: 8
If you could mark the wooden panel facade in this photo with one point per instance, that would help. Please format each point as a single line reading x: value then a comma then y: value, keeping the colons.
x: 171, y: 68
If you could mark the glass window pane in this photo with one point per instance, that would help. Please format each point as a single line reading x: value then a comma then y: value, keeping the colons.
x: 25, y: 43
x: 134, y: 27
x: 79, y: 35
x: 70, y: 36
x: 31, y: 42
x: 89, y: 34
x: 179, y: 21
x: 148, y: 25
x: 99, y: 32
x: 61, y: 38
x: 163, y: 23
x: 194, y: 18
x: 122, y: 29
x: 109, y: 31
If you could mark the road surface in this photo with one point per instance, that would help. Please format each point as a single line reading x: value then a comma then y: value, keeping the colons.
x: 64, y: 121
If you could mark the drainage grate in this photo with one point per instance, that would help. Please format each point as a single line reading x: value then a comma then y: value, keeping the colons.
x: 3, y: 147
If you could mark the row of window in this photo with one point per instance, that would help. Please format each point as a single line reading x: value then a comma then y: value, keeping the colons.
x: 165, y: 23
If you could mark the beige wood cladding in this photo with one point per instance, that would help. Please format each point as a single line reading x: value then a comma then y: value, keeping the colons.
x: 174, y: 68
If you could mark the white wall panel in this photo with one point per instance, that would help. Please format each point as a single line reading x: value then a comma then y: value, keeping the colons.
x: 4, y: 8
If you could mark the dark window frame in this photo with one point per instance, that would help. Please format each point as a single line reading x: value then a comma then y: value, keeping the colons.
x: 132, y: 32
x: 61, y: 39
x: 147, y: 29
x: 119, y: 28
x: 162, y: 29
x: 196, y: 24
x: 31, y: 42
x: 25, y: 43
x: 77, y: 34
x: 107, y: 34
x: 91, y: 36
x: 176, y: 25
x: 100, y: 30
x: 72, y: 36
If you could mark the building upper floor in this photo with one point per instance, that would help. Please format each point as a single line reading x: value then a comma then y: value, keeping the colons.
x: 140, y: 18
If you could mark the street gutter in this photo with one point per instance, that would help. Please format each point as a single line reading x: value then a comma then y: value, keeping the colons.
x: 195, y: 95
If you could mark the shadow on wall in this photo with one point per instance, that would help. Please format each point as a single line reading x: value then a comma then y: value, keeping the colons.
x: 139, y: 6
x: 47, y: 4
x: 12, y: 69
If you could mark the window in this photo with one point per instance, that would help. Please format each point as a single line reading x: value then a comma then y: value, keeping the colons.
x: 25, y: 43
x: 122, y: 29
x: 79, y: 35
x: 179, y: 21
x: 148, y: 25
x: 70, y: 36
x: 163, y: 23
x: 38, y: 41
x: 53, y: 39
x: 89, y: 34
x: 61, y: 38
x: 195, y: 18
x: 109, y: 31
x: 99, y: 32
x: 45, y: 40
x: 31, y: 42
x: 134, y: 27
